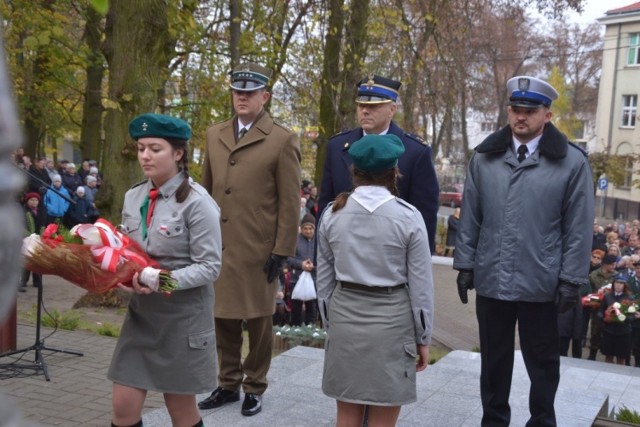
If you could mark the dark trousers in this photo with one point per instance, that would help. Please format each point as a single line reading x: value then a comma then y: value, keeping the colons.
x: 538, y: 331
x: 310, y: 312
x: 635, y: 343
x: 37, y: 278
x: 252, y: 372
x: 576, y: 347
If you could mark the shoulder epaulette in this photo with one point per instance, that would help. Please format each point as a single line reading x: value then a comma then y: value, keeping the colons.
x: 218, y: 123
x: 416, y: 138
x: 341, y: 133
x: 137, y: 184
x: 582, y: 150
x: 283, y: 127
x: 405, y: 203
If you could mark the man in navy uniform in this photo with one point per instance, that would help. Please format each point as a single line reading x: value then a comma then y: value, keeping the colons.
x: 524, y: 242
x: 418, y: 184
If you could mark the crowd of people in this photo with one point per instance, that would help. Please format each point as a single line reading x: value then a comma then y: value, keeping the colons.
x: 614, y: 276
x: 59, y: 194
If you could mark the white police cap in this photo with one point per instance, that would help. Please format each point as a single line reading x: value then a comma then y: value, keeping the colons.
x: 530, y: 92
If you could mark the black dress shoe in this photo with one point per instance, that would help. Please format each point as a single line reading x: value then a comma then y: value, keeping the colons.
x: 218, y: 398
x: 252, y: 404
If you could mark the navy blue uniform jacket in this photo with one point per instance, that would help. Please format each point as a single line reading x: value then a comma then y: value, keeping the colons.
x: 418, y: 184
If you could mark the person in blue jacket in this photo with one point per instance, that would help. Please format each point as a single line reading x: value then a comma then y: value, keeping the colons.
x: 417, y: 184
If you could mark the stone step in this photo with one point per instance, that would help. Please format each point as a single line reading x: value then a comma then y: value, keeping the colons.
x: 448, y: 394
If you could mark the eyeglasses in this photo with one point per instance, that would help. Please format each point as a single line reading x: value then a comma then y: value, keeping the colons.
x: 596, y: 257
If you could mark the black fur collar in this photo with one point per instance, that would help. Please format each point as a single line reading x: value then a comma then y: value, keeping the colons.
x: 553, y: 143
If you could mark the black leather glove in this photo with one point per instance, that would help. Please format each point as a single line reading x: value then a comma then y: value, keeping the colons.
x: 567, y: 296
x: 465, y: 282
x: 273, y: 266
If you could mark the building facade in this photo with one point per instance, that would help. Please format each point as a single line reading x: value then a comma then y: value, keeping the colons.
x: 617, y: 117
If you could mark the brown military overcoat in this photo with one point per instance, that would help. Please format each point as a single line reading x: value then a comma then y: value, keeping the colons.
x: 256, y: 183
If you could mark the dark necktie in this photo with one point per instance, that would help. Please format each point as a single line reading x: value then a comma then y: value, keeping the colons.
x: 522, y: 153
x: 242, y: 133
x: 146, y: 210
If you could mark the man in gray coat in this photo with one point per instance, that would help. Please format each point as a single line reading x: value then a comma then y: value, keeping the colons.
x: 523, y: 242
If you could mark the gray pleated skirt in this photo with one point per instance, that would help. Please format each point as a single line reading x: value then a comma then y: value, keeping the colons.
x: 370, y: 351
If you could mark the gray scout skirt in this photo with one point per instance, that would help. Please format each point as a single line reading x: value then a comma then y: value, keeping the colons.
x: 168, y: 343
x: 370, y: 352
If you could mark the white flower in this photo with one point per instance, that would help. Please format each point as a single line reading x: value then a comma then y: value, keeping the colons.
x: 632, y: 309
x: 622, y: 317
x: 88, y: 233
x: 616, y: 305
x: 30, y: 245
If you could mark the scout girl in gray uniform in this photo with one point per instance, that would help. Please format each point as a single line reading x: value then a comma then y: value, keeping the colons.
x: 167, y: 343
x: 375, y: 289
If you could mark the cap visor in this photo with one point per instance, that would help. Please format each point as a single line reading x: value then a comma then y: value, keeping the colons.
x: 525, y: 104
x: 372, y: 100
x: 246, y: 85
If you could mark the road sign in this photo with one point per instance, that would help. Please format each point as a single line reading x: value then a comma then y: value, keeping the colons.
x: 603, y: 183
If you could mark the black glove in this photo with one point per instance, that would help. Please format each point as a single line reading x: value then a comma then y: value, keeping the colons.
x: 567, y: 296
x: 273, y: 266
x: 465, y: 282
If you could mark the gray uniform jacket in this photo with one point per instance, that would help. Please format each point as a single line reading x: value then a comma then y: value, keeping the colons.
x: 167, y: 343
x: 524, y: 226
x: 386, y: 247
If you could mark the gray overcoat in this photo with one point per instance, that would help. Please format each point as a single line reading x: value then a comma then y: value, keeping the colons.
x: 524, y: 226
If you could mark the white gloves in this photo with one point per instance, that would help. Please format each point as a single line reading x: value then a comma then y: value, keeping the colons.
x: 150, y: 277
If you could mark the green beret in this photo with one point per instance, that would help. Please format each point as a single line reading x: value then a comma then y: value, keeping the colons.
x: 159, y: 126
x: 376, y: 153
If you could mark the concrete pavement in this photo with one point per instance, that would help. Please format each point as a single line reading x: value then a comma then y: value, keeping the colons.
x: 80, y: 395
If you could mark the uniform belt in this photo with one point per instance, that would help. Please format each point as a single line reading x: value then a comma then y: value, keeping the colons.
x: 378, y: 289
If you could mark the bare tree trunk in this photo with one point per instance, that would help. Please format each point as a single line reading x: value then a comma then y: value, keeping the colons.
x: 352, y: 57
x: 330, y: 82
x: 92, y: 110
x: 34, y: 127
x: 138, y: 48
x: 235, y: 16
x: 463, y: 120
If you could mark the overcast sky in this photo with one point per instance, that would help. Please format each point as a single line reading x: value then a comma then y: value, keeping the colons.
x: 594, y: 9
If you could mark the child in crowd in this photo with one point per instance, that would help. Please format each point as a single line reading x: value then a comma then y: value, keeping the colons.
x: 56, y: 201
x: 302, y: 261
x: 281, y: 316
x: 80, y: 212
x: 34, y: 222
x: 616, y: 335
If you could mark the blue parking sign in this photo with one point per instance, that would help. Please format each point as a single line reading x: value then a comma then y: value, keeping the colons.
x: 603, y: 183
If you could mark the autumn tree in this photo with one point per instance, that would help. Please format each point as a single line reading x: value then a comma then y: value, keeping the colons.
x: 138, y: 48
x: 42, y: 41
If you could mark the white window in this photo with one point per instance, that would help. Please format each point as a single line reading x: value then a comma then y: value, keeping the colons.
x: 487, y: 127
x: 634, y: 49
x: 628, y: 176
x: 629, y: 110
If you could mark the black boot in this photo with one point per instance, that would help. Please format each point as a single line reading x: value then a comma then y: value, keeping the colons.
x: 637, y: 361
x: 592, y: 354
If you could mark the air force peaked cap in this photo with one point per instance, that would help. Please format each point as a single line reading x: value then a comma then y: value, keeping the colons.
x: 377, y: 90
x: 376, y: 153
x: 530, y: 92
x: 248, y: 77
x: 159, y: 126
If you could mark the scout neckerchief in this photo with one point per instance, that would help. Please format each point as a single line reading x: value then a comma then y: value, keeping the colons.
x: 146, y: 210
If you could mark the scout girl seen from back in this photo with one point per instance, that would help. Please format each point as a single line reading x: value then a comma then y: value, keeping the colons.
x: 375, y: 290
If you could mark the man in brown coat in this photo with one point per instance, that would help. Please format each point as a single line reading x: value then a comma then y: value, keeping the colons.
x: 252, y: 169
